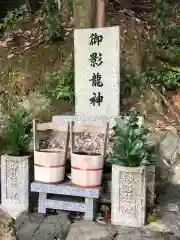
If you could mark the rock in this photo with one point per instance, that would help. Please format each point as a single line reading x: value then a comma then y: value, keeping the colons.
x: 7, y: 227
x: 88, y: 230
x: 54, y: 227
x: 171, y: 222
x: 128, y: 236
x: 169, y: 147
x: 145, y: 233
x: 148, y: 103
x: 155, y: 138
x: 36, y: 226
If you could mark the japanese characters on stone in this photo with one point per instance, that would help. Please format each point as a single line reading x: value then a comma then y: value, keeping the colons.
x: 97, y: 68
x: 96, y: 60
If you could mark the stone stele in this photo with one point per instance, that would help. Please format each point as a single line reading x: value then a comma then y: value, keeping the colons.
x: 128, y: 196
x: 97, y: 71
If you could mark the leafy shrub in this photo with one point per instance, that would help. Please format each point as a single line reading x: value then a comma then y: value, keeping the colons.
x: 50, y: 18
x: 163, y: 78
x: 14, y: 17
x: 163, y: 48
x: 129, y: 143
x: 18, y: 132
x: 58, y: 85
x: 130, y: 85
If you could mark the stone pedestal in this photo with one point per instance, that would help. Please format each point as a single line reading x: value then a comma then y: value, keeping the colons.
x: 65, y: 196
x: 14, y: 184
x: 128, y: 196
x: 150, y: 190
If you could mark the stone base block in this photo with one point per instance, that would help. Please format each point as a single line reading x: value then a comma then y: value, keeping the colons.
x: 65, y: 196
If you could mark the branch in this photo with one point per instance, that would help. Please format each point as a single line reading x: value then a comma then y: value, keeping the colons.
x: 27, y: 48
x: 168, y: 104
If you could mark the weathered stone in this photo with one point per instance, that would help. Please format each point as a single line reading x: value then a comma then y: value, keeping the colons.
x: 14, y: 184
x: 29, y: 217
x: 87, y: 230
x: 135, y: 236
x: 46, y: 231
x: 150, y: 189
x: 143, y: 234
x: 53, y: 227
x: 27, y: 230
x: 169, y: 146
x: 7, y: 227
x: 21, y: 219
x: 129, y: 236
x: 154, y: 138
x: 171, y: 221
x: 128, y: 207
x: 168, y: 197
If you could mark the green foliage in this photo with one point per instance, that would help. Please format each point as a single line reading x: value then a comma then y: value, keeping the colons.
x: 58, y: 85
x: 14, y: 17
x: 18, y: 132
x: 50, y: 17
x: 162, y: 78
x: 70, y: 6
x: 163, y: 54
x: 129, y: 143
x: 130, y: 85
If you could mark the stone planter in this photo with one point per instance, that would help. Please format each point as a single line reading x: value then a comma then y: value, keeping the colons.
x: 128, y: 196
x: 14, y: 184
x: 86, y: 170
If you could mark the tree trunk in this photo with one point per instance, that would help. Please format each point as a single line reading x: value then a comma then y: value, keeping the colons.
x: 84, y: 13
x: 65, y: 11
x: 100, y: 13
x: 34, y: 5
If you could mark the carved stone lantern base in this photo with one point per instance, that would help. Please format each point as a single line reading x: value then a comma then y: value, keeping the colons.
x: 14, y: 184
x: 128, y: 196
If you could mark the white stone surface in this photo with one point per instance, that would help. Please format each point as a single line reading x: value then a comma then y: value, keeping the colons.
x: 128, y: 196
x: 108, y: 71
x: 14, y: 184
x: 84, y: 119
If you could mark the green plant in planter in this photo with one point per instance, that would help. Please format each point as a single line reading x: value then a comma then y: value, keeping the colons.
x: 130, y: 147
x: 18, y: 132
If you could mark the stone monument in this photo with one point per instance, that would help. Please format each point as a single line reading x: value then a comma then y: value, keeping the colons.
x: 97, y: 71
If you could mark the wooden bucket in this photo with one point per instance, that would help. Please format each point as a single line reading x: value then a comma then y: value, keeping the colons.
x: 87, y: 169
x: 49, y: 164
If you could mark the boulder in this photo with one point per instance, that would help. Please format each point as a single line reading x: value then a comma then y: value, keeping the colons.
x: 7, y: 227
x: 88, y: 230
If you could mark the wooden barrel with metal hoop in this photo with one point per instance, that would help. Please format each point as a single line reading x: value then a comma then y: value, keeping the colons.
x: 87, y: 169
x: 49, y: 164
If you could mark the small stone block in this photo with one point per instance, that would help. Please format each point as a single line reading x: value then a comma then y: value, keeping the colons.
x: 65, y: 188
